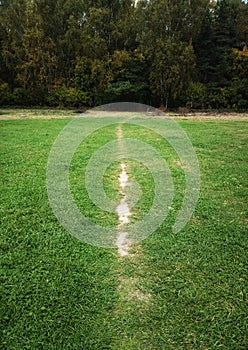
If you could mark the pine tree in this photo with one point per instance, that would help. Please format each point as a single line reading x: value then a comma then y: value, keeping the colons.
x: 215, y: 42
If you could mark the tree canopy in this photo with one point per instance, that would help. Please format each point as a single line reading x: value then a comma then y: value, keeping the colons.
x: 163, y: 52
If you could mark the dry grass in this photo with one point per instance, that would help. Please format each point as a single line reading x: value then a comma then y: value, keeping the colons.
x: 13, y: 114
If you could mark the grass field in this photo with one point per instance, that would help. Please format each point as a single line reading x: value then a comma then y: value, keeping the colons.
x: 173, y: 291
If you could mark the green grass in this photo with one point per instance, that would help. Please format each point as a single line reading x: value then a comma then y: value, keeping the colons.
x: 175, y: 291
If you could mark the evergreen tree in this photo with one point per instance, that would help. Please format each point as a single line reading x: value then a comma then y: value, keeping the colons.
x: 217, y: 37
x: 166, y: 40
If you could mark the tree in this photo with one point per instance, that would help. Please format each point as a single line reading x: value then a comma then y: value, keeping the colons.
x: 204, y: 48
x: 105, y: 31
x: 36, y: 71
x: 166, y: 41
x: 238, y: 88
x: 129, y: 77
x: 217, y: 37
x: 153, y: 51
x: 242, y: 24
x: 12, y: 29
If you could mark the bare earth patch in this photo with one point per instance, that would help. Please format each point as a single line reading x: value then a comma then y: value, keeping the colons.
x: 202, y: 116
x: 122, y: 209
x: 13, y: 114
x: 212, y: 116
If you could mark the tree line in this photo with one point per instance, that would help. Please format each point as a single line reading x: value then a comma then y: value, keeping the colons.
x: 169, y: 53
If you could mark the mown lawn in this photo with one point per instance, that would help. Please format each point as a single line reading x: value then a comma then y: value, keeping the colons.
x: 174, y: 291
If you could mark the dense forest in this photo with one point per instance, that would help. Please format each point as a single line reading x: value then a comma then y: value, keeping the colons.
x: 171, y: 53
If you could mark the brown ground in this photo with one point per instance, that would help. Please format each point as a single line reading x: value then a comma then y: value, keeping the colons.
x: 12, y: 114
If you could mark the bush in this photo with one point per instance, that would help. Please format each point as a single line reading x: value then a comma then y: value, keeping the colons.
x: 28, y: 97
x: 196, y: 96
x: 68, y: 97
x: 119, y: 91
x: 5, y: 94
x: 21, y: 97
x: 239, y: 94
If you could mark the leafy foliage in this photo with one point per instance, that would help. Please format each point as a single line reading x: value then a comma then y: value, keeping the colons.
x: 153, y: 52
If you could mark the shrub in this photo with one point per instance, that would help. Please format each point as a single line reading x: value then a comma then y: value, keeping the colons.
x: 21, y: 97
x: 196, y: 96
x: 118, y: 91
x: 68, y: 97
x: 5, y: 94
